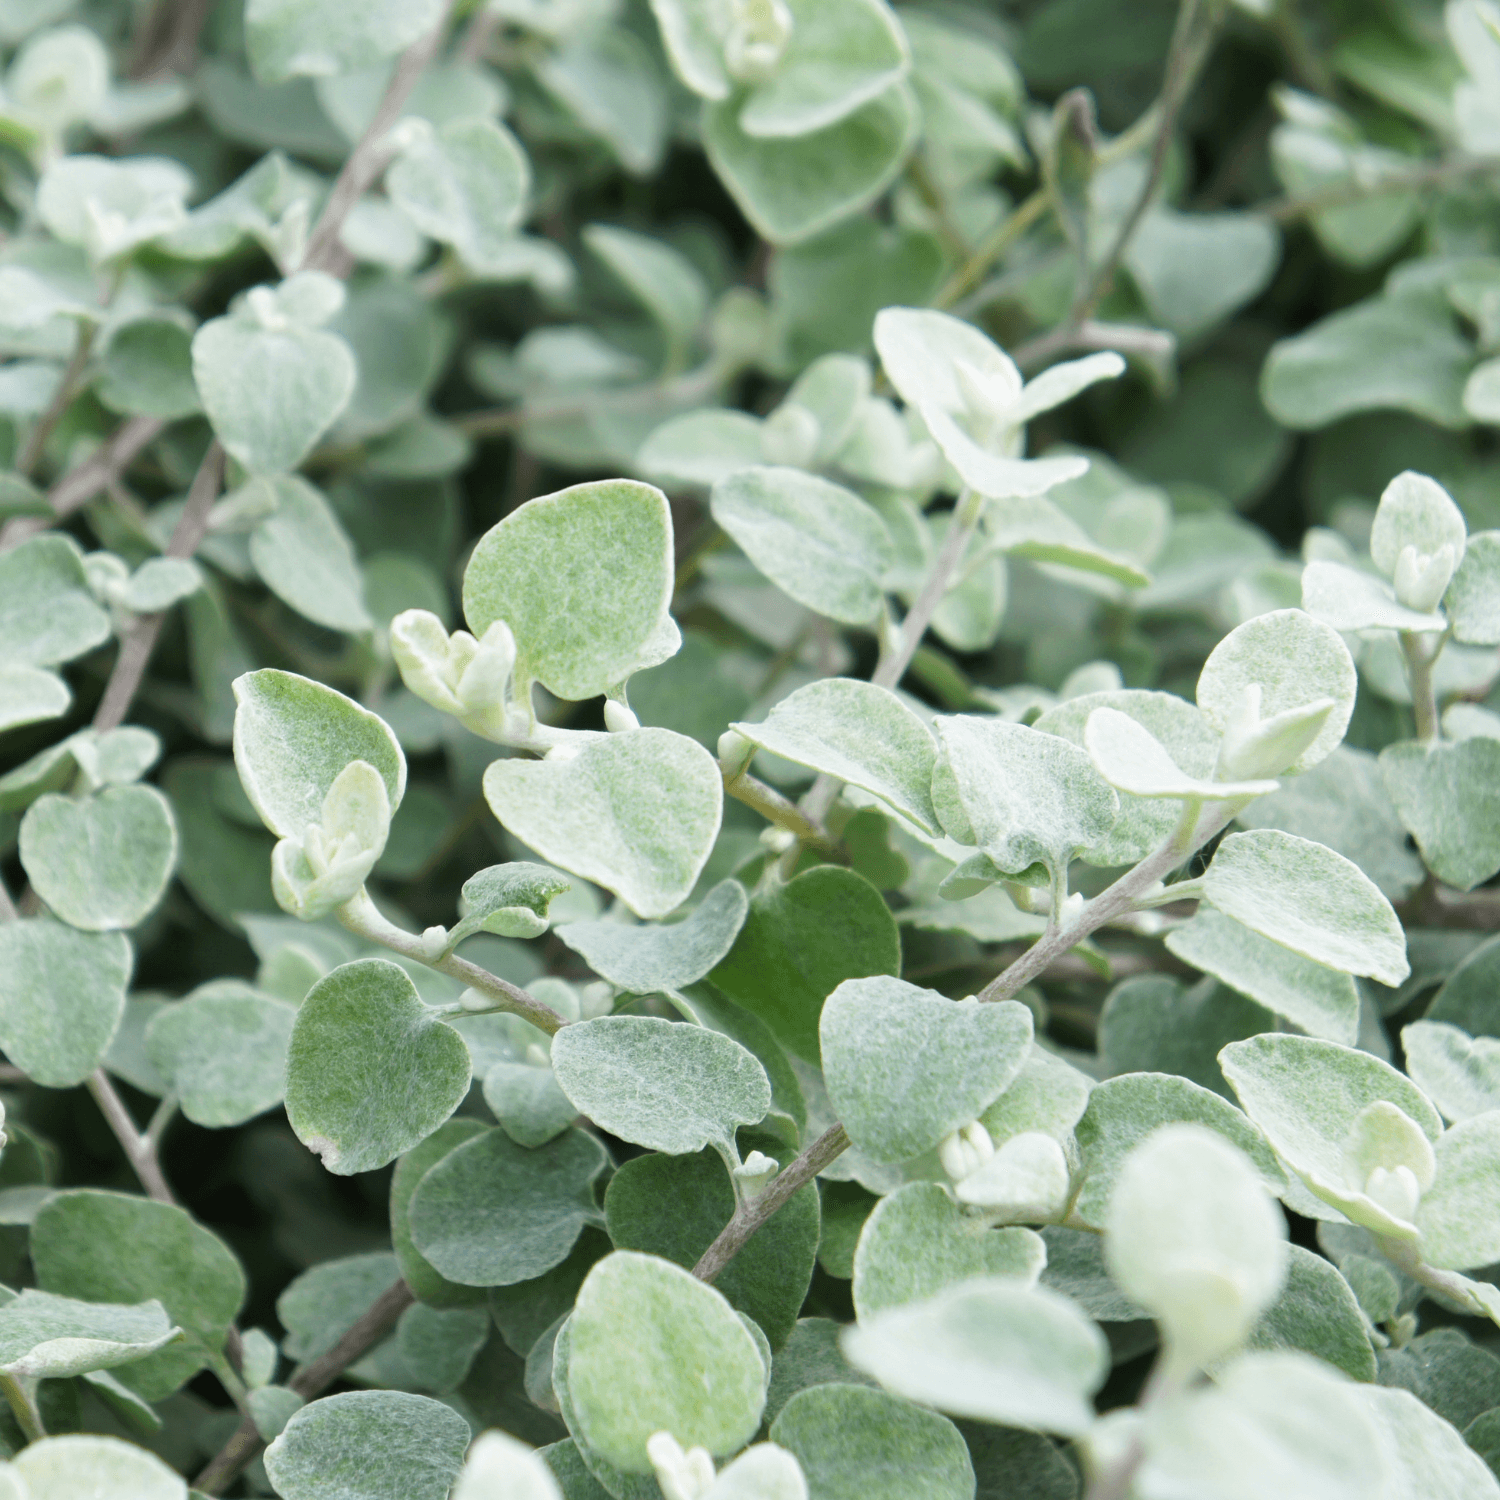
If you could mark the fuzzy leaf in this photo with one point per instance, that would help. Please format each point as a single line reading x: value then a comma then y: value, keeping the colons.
x: 46, y: 1337
x: 1473, y: 598
x: 28, y: 695
x: 1459, y: 1073
x: 286, y: 40
x: 305, y: 556
x: 1459, y: 1215
x: 510, y: 900
x: 1351, y: 599
x: 1448, y: 795
x: 47, y: 612
x: 79, y: 1464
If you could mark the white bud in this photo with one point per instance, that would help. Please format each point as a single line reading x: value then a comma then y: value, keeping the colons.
x: 434, y: 940
x: 734, y: 753
x: 476, y: 1000
x: 1389, y: 1161
x: 538, y: 1056
x: 966, y: 1150
x: 1256, y: 749
x: 757, y: 39
x: 264, y: 308
x: 1025, y: 1181
x: 563, y: 752
x: 1396, y: 1191
x: 618, y: 718
x: 778, y: 840
x: 681, y: 1476
x: 754, y: 1174
x: 427, y: 658
x: 1422, y: 578
x: 499, y: 1465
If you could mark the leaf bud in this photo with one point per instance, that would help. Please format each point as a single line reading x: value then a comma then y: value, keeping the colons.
x: 681, y: 1475
x: 1422, y: 578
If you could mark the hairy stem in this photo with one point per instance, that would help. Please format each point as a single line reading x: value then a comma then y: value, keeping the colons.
x: 139, y: 1147
x: 1404, y: 1254
x: 1420, y: 657
x: 360, y: 916
x: 775, y: 808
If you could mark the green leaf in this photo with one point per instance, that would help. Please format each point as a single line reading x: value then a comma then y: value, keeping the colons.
x: 610, y: 81
x: 1131, y: 759
x: 1017, y: 796
x: 147, y: 370
x: 46, y: 1337
x: 637, y: 813
x: 369, y: 1445
x: 223, y: 1052
x: 662, y: 956
x: 1459, y: 1074
x: 1417, y: 512
x: 111, y: 1247
x: 1195, y: 269
x: 1473, y: 598
x: 583, y: 578
x: 1322, y: 1001
x: 321, y: 1305
x: 990, y: 1349
x: 1427, y: 1457
x: 665, y: 1085
x: 101, y: 863
x: 918, y: 1242
x: 1448, y: 795
x: 653, y: 1349
x: 1047, y: 1095
x: 28, y: 695
x: 675, y: 1207
x: 62, y: 993
x: 1446, y: 1370
x: 790, y: 190
x: 1459, y: 1215
x: 304, y: 555
x: 906, y: 1066
x: 702, y: 447
x: 817, y: 542
x: 857, y: 733
x: 371, y: 1071
x: 510, y: 900
x: 1350, y: 599
x: 800, y: 941
x: 1471, y: 996
x: 663, y: 280
x: 1308, y: 899
x: 68, y: 1468
x: 47, y: 611
x: 857, y: 1444
x: 427, y: 1283
x: 287, y: 40
x: 492, y: 1213
x: 1317, y: 1313
x: 528, y: 1103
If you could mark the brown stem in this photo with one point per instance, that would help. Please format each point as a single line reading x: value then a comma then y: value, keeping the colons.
x: 139, y: 1148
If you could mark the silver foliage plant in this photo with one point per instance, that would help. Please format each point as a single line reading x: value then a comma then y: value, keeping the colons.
x: 876, y: 950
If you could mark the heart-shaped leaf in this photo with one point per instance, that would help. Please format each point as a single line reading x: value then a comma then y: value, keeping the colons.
x: 527, y: 1102
x: 371, y: 1071
x: 905, y: 1066
x: 509, y: 900
x: 101, y: 863
x: 1448, y: 796
x: 82, y: 1464
x: 1459, y: 1073
x: 426, y: 1282
x: 48, y: 614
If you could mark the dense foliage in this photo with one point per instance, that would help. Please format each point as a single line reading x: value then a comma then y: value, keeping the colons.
x: 636, y: 864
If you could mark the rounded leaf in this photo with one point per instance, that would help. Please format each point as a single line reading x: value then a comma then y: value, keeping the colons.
x: 81, y: 1465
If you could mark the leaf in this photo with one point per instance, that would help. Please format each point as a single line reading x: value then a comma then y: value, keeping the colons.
x: 369, y: 1445
x: 917, y: 1242
x: 701, y: 447
x: 991, y: 1349
x: 101, y: 863
x: 1415, y: 511
x: 322, y: 1304
x: 610, y: 81
x: 1308, y: 899
x: 637, y: 813
x: 1351, y: 599
x: 793, y: 189
x: 1460, y: 1074
x: 1473, y: 598
x: 67, y: 1468
x: 28, y: 695
x: 583, y: 578
x: 47, y: 611
x: 147, y: 370
x: 498, y: 1464
x: 304, y: 555
x: 492, y: 1213
x: 371, y: 1071
x: 1448, y: 795
x: 1122, y: 1112
x: 1469, y: 997
x: 112, y: 1247
x: 662, y: 956
x: 1017, y: 796
x: 427, y: 1284
x: 286, y: 40
x: 663, y: 280
x: 1131, y: 759
x: 223, y: 1052
x: 664, y: 1085
x: 45, y: 1337
x: 62, y: 993
x: 1459, y: 1215
x: 857, y: 1444
x: 510, y: 900
x: 675, y: 1207
x: 1316, y: 1312
x: 1195, y: 269
x: 1426, y: 1457
x: 858, y: 733
x: 161, y: 582
x: 527, y: 1102
x: 1341, y: 365
x: 652, y: 1349
x: 906, y: 1066
x: 817, y: 542
x: 1322, y: 1001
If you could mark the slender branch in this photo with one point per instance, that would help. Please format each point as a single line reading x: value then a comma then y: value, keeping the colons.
x: 935, y: 204
x: 775, y: 808
x: 139, y: 1148
x: 748, y: 1217
x: 1004, y: 237
x: 67, y: 387
x: 310, y: 1380
x: 372, y: 155
x: 1340, y: 195
x: 1149, y: 343
x: 360, y: 916
x: 1420, y: 656
x: 140, y: 639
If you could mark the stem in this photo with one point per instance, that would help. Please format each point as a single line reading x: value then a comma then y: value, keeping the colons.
x: 8, y: 912
x: 156, y: 1128
x: 1403, y: 1254
x: 371, y: 156
x: 309, y: 1381
x: 775, y: 808
x: 973, y: 271
x: 1419, y: 660
x: 748, y: 1217
x: 36, y: 440
x: 360, y: 916
x: 139, y: 1148
x: 1339, y: 195
x: 140, y: 640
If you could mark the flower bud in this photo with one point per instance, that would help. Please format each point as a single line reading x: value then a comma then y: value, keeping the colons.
x: 754, y: 1174
x: 734, y: 753
x: 618, y: 718
x: 966, y: 1150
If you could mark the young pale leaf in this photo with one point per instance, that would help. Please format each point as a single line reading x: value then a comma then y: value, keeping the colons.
x: 28, y: 695
x: 1017, y: 796
x: 369, y: 1445
x: 816, y: 541
x: 48, y: 614
x: 510, y: 900
x: 917, y: 1242
x: 1309, y: 899
x: 371, y: 1071
x: 702, y: 447
x: 103, y: 862
x: 1047, y: 1095
x: 1448, y: 796
x: 1473, y: 598
x: 1322, y: 1001
x: 800, y: 941
x: 79, y: 1465
x: 1425, y: 1457
x: 1459, y: 1215
x: 906, y: 1066
x: 294, y: 737
x: 854, y: 1443
x: 583, y: 578
x: 223, y: 1052
x: 653, y: 1349
x: 991, y: 1349
x: 637, y: 813
x: 287, y: 40
x: 664, y: 1085
x: 1194, y: 1235
x: 62, y: 993
x: 1459, y: 1073
x: 492, y: 1213
x: 499, y: 1465
x: 305, y: 556
x: 860, y: 734
x: 1351, y: 599
x: 662, y: 956
x: 1131, y: 759
x: 1417, y: 512
x: 321, y: 1305
x: 46, y: 1337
